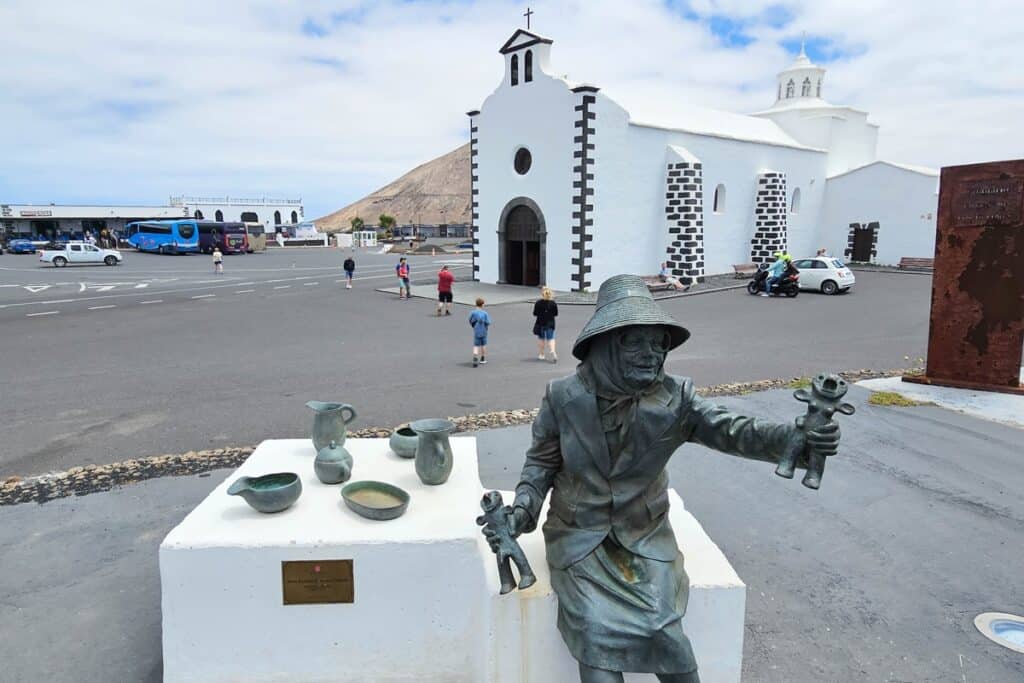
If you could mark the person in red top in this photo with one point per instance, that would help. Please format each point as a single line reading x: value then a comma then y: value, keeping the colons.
x: 445, y: 278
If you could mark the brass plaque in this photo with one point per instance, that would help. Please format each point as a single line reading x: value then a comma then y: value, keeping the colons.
x: 310, y: 582
x: 995, y: 202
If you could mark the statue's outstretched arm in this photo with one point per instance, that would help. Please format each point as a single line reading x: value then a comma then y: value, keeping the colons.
x: 717, y: 427
x: 543, y: 461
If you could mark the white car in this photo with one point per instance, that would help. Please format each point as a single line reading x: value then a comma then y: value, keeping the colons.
x: 825, y: 274
x: 80, y: 253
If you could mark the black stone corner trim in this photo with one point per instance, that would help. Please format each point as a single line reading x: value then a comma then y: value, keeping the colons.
x: 583, y: 188
x: 474, y: 190
x: 475, y: 112
x: 684, y: 209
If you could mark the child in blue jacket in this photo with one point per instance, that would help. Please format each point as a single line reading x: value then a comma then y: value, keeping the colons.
x: 479, y: 320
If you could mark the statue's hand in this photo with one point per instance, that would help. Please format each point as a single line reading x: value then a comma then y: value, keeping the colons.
x: 518, y: 521
x: 825, y: 439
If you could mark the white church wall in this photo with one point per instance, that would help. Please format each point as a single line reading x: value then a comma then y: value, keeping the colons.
x: 629, y: 215
x: 850, y: 139
x: 539, y: 116
x: 902, y: 202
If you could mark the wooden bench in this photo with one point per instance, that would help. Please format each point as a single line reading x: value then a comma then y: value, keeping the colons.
x: 912, y: 263
x: 743, y: 270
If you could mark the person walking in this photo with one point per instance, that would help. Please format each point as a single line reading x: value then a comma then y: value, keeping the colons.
x: 480, y: 321
x: 350, y: 268
x: 402, y: 271
x: 545, y: 310
x: 445, y: 278
x: 218, y: 261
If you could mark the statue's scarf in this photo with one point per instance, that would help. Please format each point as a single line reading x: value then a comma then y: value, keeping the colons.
x: 617, y: 399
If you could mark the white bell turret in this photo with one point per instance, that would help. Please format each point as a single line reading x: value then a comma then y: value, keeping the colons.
x: 800, y: 81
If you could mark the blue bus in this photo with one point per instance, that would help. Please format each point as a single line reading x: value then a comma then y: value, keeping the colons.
x: 164, y: 237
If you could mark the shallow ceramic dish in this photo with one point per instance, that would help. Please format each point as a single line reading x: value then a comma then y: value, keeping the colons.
x: 403, y: 442
x: 270, y: 492
x: 375, y: 499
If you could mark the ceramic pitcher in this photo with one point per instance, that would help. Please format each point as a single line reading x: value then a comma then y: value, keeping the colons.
x: 433, y: 450
x: 330, y: 422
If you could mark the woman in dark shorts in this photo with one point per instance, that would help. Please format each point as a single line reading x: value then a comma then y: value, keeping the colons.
x: 545, y: 310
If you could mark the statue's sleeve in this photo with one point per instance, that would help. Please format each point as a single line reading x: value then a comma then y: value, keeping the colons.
x: 717, y: 427
x: 543, y: 461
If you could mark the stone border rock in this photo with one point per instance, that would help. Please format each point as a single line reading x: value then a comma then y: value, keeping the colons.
x: 80, y: 481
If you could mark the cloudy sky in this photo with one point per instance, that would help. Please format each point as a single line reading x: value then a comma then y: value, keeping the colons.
x: 108, y: 101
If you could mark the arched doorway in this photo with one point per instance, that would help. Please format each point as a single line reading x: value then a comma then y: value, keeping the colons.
x: 521, y: 240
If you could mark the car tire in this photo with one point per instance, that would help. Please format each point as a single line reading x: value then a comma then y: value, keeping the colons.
x: 829, y: 287
x: 60, y: 262
x: 110, y: 260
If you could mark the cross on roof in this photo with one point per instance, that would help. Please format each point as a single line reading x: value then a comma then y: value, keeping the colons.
x: 527, y: 14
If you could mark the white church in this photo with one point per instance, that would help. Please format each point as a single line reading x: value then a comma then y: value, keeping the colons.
x: 570, y: 186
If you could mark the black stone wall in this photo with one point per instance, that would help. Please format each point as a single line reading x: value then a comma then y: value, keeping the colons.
x: 770, y: 224
x: 684, y: 214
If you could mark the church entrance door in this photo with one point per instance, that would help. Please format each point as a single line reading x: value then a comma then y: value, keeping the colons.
x: 522, y: 242
x: 863, y: 238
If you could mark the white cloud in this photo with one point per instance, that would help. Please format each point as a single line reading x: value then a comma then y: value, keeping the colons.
x: 133, y: 101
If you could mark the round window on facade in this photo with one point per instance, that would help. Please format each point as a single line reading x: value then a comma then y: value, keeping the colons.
x: 523, y: 161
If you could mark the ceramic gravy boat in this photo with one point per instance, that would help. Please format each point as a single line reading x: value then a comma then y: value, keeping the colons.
x: 269, y: 493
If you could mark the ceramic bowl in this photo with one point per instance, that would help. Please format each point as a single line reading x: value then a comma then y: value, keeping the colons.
x: 403, y: 442
x: 375, y: 499
x: 270, y: 492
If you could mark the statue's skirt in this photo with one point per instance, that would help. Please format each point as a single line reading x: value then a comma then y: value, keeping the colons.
x: 621, y: 612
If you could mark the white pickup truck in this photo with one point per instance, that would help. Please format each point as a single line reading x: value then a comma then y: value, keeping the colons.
x: 80, y: 253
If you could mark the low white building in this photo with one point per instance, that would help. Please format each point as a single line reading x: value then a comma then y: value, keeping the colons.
x: 570, y: 187
x: 51, y: 221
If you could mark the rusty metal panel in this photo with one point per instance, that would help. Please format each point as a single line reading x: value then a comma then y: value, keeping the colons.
x: 977, y: 315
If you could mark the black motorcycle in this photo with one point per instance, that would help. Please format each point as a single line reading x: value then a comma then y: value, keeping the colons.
x: 788, y: 285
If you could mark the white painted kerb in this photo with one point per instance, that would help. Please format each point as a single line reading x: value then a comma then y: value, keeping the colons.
x: 426, y: 592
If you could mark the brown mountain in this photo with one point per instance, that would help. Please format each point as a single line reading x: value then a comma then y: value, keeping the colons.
x: 433, y: 193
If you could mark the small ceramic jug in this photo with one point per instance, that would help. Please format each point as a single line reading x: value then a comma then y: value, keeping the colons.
x: 330, y: 422
x: 403, y: 442
x: 433, y: 450
x: 333, y: 464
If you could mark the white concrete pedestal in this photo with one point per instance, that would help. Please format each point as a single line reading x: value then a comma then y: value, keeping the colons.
x: 426, y: 590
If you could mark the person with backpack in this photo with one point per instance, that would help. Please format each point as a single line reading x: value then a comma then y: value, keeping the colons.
x: 350, y: 268
x: 402, y: 271
x: 480, y: 321
x: 545, y: 310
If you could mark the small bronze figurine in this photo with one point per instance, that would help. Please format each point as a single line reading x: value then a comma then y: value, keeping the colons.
x: 495, y: 521
x: 823, y: 400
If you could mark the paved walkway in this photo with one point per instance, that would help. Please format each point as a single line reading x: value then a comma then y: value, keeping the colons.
x: 876, y: 577
x: 466, y: 293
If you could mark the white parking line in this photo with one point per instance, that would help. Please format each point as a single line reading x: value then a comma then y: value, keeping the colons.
x: 282, y: 287
x: 245, y: 291
x: 32, y: 315
x: 310, y: 284
x: 152, y: 301
x: 100, y: 308
x: 203, y: 296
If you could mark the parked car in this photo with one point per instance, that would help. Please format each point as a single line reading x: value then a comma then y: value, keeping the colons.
x: 21, y: 246
x: 80, y: 253
x: 825, y: 274
x: 464, y: 245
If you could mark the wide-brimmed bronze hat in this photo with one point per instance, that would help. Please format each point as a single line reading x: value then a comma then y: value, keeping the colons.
x: 624, y: 300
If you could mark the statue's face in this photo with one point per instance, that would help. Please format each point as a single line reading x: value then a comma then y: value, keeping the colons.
x: 643, y: 351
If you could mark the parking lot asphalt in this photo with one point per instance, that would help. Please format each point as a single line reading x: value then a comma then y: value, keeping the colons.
x: 196, y: 361
x: 876, y: 577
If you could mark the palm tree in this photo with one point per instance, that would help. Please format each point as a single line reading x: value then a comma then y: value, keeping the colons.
x: 357, y: 224
x: 385, y: 221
